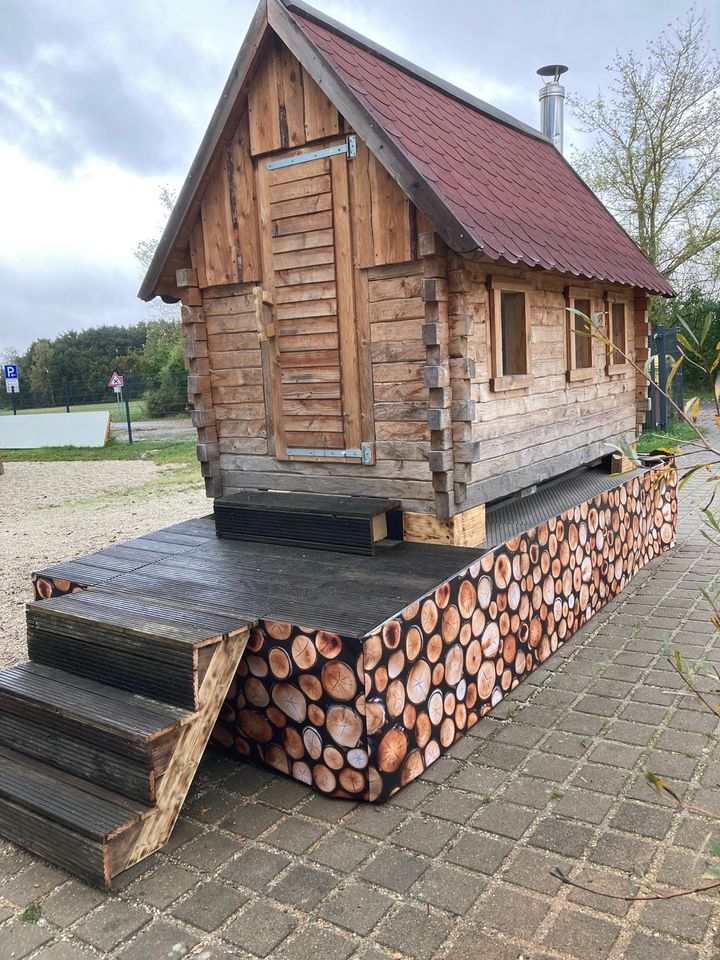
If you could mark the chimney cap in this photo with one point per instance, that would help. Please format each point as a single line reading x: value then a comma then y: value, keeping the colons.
x: 553, y: 70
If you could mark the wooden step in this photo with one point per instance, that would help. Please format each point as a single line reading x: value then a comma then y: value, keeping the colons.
x: 345, y: 524
x: 94, y: 713
x: 57, y: 719
x: 70, y: 822
x: 131, y: 776
x: 147, y: 646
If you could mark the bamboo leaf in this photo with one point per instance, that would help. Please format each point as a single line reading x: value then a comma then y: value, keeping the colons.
x: 692, y: 408
x: 707, y: 323
x: 686, y: 476
x: 711, y: 519
x: 673, y: 370
x: 688, y: 346
x: 688, y: 328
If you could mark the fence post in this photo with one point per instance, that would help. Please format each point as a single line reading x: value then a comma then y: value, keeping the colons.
x: 66, y: 393
x: 662, y: 376
x: 126, y: 393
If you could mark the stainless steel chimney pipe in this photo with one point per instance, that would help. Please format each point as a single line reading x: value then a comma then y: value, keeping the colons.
x: 552, y: 102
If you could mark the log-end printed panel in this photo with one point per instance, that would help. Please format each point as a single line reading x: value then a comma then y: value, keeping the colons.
x: 298, y: 705
x: 47, y: 587
x: 448, y: 659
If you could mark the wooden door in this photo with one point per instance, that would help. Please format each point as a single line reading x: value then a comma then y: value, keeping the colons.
x: 308, y: 281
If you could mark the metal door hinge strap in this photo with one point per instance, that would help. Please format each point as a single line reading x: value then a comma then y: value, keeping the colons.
x: 349, y: 147
x: 364, y: 454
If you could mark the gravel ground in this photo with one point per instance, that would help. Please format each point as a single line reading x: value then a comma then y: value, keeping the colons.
x: 155, y: 429
x: 50, y: 512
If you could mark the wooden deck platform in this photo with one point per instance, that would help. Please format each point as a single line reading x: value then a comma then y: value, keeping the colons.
x: 359, y: 670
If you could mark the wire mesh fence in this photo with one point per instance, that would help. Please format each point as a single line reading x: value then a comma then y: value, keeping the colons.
x: 146, y: 398
x: 664, y: 351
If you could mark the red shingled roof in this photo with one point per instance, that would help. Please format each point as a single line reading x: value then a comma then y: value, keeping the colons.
x: 514, y: 193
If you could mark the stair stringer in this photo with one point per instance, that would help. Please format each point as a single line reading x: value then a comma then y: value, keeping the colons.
x: 155, y: 829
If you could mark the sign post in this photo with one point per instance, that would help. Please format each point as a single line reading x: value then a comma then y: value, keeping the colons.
x: 12, y: 383
x: 117, y: 382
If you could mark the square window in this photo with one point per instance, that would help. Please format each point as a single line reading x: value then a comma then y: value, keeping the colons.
x: 513, y: 333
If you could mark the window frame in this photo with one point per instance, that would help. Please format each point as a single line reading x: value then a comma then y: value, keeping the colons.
x: 500, y: 381
x: 574, y: 373
x: 609, y: 301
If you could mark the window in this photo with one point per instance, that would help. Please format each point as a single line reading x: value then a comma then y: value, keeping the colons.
x: 513, y: 333
x: 509, y: 335
x: 579, y: 339
x: 583, y: 342
x: 617, y: 334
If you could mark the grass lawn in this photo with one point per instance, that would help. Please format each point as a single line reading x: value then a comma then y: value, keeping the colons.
x: 160, y: 452
x: 678, y: 432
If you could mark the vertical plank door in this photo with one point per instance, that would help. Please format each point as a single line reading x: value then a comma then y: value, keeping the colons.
x: 308, y: 280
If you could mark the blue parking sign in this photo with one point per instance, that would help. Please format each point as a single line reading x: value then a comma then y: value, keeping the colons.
x: 10, y: 371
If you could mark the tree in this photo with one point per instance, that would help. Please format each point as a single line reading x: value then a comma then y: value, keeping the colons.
x: 145, y: 250
x: 655, y: 152
x: 40, y: 372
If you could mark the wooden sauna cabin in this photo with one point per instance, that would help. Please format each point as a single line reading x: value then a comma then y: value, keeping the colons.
x: 374, y: 268
x: 404, y: 438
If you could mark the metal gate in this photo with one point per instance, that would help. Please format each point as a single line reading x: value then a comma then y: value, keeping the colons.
x: 664, y: 351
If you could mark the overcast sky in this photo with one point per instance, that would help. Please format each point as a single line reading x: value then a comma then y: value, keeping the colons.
x: 102, y: 103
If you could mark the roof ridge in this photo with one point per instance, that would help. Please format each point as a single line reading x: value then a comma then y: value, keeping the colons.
x: 407, y: 66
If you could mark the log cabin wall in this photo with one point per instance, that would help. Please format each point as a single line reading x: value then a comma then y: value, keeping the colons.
x: 242, y: 408
x: 511, y: 439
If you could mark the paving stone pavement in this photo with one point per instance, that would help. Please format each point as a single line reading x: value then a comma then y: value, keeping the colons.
x: 458, y: 864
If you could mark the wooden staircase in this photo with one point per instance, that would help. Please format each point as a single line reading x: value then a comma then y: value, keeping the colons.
x: 102, y: 731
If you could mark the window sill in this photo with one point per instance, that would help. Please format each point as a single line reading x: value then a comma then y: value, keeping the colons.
x: 614, y: 369
x: 581, y: 373
x: 516, y: 382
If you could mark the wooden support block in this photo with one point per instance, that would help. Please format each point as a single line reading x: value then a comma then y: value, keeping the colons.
x: 199, y: 366
x: 194, y: 348
x: 464, y: 411
x: 434, y: 290
x: 462, y: 326
x: 467, y: 451
x: 440, y: 460
x: 198, y: 384
x: 192, y: 297
x: 191, y: 315
x: 207, y: 452
x: 430, y: 245
x: 442, y: 482
x: 213, y: 487
x: 435, y: 266
x: 620, y: 463
x: 440, y: 396
x: 187, y: 277
x: 462, y: 368
x: 207, y: 435
x: 433, y: 334
x: 202, y: 418
x: 441, y: 440
x: 436, y: 376
x: 438, y: 419
x: 465, y: 529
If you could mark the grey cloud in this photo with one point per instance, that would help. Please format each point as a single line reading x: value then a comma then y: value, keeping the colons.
x: 73, y: 84
x: 52, y: 302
